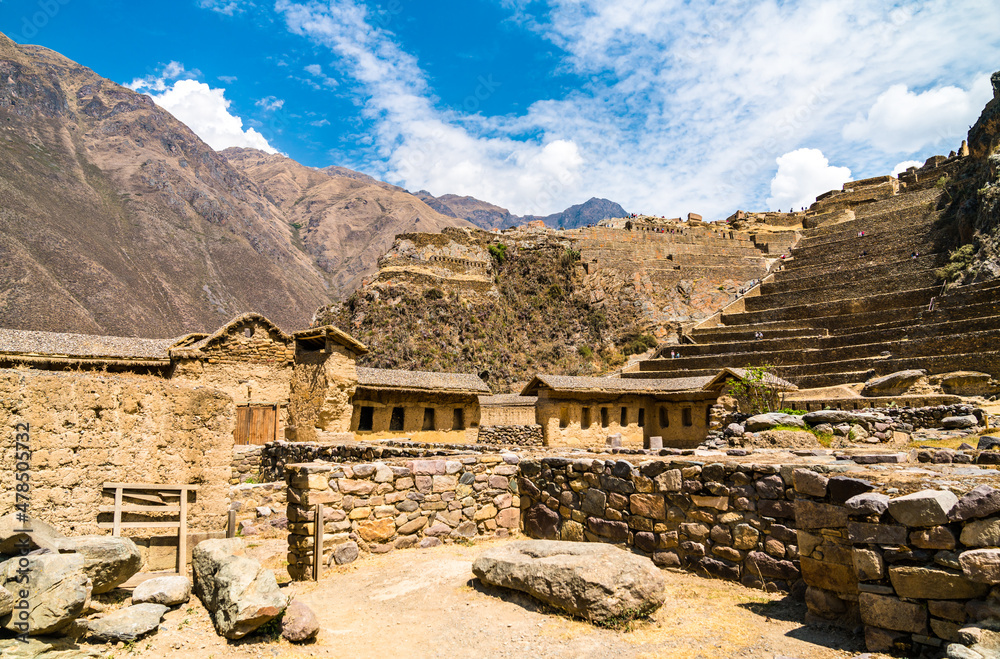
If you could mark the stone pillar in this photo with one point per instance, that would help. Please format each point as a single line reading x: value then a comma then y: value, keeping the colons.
x: 308, y: 485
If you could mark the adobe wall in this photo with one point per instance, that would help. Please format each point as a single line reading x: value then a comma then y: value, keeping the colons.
x: 415, y: 406
x: 321, y: 387
x: 387, y: 506
x: 87, y: 429
x: 513, y: 415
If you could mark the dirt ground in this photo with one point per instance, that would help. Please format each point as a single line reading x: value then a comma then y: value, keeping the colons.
x: 425, y: 603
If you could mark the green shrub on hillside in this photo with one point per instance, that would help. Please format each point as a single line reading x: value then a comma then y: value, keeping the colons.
x: 958, y: 261
x: 755, y: 392
x: 498, y: 252
x: 635, y: 345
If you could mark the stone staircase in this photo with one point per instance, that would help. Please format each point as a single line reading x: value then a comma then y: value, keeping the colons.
x: 846, y: 308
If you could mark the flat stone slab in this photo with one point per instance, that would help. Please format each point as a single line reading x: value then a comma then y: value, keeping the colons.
x: 594, y: 581
x: 169, y: 591
x: 128, y: 624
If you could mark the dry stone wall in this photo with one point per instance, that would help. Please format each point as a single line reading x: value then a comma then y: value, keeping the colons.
x: 379, y: 507
x: 522, y: 435
x: 918, y: 570
x: 726, y: 520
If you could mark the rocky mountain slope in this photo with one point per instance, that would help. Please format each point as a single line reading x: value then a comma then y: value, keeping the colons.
x: 489, y: 216
x: 115, y: 218
x: 343, y: 219
x: 510, y: 305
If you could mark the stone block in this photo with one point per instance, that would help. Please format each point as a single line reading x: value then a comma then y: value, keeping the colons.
x: 810, y: 483
x: 885, y: 640
x: 648, y: 505
x: 892, y: 613
x: 981, y: 501
x: 745, y: 536
x: 777, y: 509
x: 869, y: 503
x: 379, y: 530
x: 763, y: 565
x: 445, y: 483
x: 935, y: 537
x: 718, y: 503
x: 981, y: 533
x: 914, y: 582
x: 824, y: 603
x: 981, y: 565
x: 842, y: 488
x: 812, y: 515
x: 615, y: 531
x: 868, y: 564
x: 878, y: 534
x: 829, y: 576
x: 924, y: 508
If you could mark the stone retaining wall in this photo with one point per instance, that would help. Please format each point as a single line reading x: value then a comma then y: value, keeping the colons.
x: 530, y: 435
x: 378, y: 507
x: 929, y: 417
x: 732, y: 521
x: 246, y: 464
x: 917, y: 570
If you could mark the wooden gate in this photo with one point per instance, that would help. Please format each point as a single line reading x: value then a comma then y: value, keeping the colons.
x: 256, y: 424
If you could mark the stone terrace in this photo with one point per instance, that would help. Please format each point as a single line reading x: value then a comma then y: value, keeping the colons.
x: 847, y: 307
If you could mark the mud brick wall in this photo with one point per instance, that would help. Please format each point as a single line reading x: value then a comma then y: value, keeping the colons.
x: 726, y: 520
x: 919, y: 571
x: 379, y: 507
x: 530, y: 435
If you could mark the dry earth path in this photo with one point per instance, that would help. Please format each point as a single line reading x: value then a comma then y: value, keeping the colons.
x: 425, y: 603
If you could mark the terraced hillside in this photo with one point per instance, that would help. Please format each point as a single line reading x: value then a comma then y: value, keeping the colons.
x: 861, y: 297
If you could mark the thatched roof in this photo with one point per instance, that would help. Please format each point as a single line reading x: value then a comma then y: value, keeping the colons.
x: 508, y: 400
x: 384, y: 378
x: 574, y: 384
x: 55, y: 346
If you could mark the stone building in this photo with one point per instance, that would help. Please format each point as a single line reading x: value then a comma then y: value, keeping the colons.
x: 507, y: 410
x: 583, y: 411
x: 422, y: 406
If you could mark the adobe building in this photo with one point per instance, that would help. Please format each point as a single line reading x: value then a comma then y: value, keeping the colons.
x: 422, y: 406
x: 584, y: 411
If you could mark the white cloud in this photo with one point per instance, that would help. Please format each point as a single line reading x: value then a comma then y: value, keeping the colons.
x: 802, y: 175
x: 319, y: 123
x: 902, y: 121
x: 204, y: 110
x: 905, y: 165
x: 681, y: 106
x: 270, y: 103
x: 228, y: 79
x: 319, y: 79
x: 227, y: 7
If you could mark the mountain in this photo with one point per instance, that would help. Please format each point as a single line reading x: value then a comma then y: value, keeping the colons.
x: 115, y: 218
x: 344, y: 220
x: 489, y: 216
x: 481, y: 213
x: 591, y: 211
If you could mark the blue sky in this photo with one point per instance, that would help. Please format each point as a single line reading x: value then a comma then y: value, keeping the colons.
x: 664, y: 106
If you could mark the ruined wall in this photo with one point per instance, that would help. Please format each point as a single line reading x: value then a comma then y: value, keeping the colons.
x: 512, y: 415
x: 915, y: 569
x: 88, y: 429
x: 393, y: 506
x: 246, y: 464
x: 732, y: 521
x: 320, y: 391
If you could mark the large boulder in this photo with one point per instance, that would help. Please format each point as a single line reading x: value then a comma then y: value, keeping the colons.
x: 967, y: 383
x: 127, y: 624
x: 771, y: 420
x: 41, y: 535
x: 59, y: 589
x: 109, y: 561
x: 169, y: 591
x: 594, y: 581
x: 959, y: 422
x: 837, y: 417
x: 893, y: 384
x: 239, y: 594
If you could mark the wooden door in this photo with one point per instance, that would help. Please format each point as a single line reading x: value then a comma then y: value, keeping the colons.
x: 256, y: 424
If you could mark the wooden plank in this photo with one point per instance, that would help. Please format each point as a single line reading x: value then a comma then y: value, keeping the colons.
x: 182, y: 536
x: 143, y: 497
x: 140, y: 525
x: 117, y: 524
x: 139, y: 509
x: 318, y: 543
x: 151, y: 486
x: 274, y: 435
x: 231, y: 525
